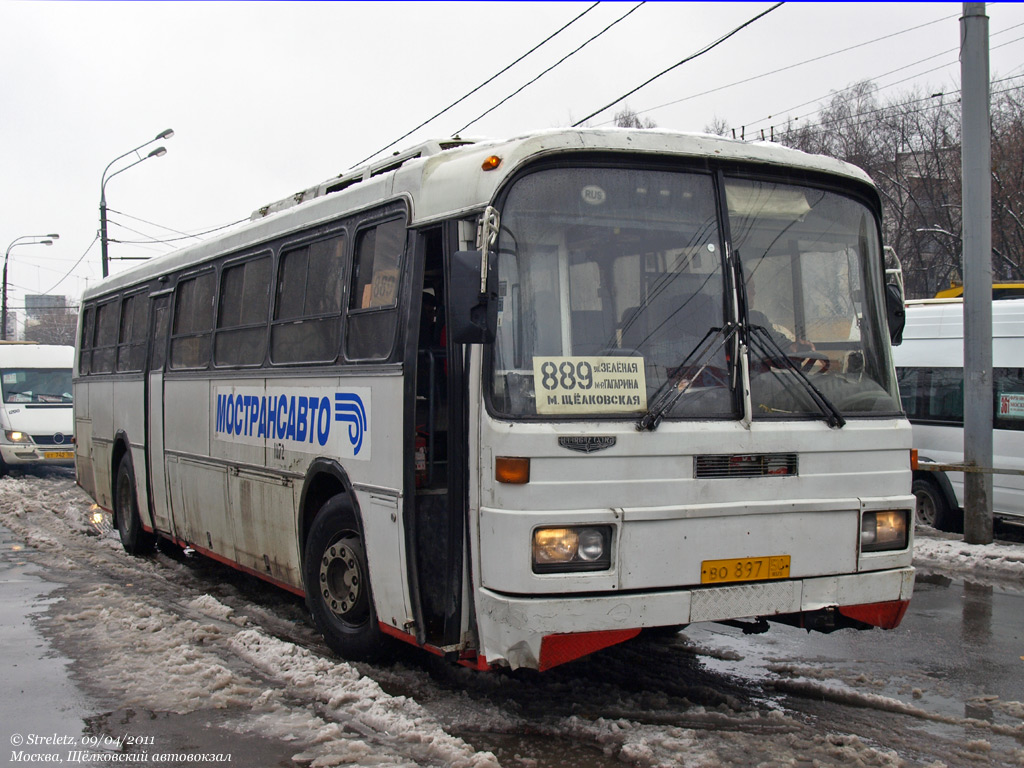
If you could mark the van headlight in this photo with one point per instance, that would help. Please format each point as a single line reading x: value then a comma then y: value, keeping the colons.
x: 577, y: 548
x: 884, y: 530
x: 15, y: 436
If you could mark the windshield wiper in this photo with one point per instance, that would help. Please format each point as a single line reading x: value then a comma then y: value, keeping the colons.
x: 670, y: 391
x: 766, y: 346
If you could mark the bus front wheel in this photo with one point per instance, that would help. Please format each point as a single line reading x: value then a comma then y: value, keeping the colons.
x: 932, y: 507
x: 337, y: 583
x: 134, y: 539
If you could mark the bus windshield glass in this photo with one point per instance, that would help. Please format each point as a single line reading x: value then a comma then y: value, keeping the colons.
x: 39, y: 386
x: 614, y: 299
x: 812, y: 272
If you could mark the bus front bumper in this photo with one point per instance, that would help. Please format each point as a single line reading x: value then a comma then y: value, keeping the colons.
x: 30, y: 454
x: 542, y: 632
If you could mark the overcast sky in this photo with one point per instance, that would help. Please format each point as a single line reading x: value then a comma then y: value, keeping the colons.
x: 270, y: 98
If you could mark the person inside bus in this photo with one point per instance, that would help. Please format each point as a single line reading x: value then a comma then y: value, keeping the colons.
x: 785, y: 339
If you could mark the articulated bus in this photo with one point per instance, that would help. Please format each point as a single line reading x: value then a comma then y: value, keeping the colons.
x: 516, y: 401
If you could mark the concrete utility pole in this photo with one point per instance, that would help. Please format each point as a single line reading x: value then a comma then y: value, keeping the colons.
x: 977, y: 269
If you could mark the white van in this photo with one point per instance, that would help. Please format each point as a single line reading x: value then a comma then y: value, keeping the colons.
x: 36, y: 415
x: 929, y: 367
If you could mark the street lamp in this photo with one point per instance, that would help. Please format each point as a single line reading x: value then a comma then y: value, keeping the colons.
x: 37, y: 240
x: 158, y: 152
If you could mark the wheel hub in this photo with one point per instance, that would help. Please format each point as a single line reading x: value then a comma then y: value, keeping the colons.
x: 340, y: 578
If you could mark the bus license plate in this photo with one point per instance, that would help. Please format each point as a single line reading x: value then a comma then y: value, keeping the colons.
x: 58, y: 454
x: 744, y: 569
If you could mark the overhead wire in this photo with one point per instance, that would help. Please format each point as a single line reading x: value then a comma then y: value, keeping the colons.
x: 889, y: 85
x: 869, y: 117
x: 691, y: 57
x: 184, y: 235
x: 795, y: 65
x: 73, y: 268
x: 477, y: 88
x: 557, y: 63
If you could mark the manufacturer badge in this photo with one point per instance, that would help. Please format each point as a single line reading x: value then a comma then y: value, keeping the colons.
x: 587, y: 443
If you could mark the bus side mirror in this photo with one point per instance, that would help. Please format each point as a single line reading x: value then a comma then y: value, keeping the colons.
x: 472, y: 314
x: 895, y: 313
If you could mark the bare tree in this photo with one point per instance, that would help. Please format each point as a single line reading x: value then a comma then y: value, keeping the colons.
x: 910, y: 146
x: 627, y: 118
x: 718, y: 126
x: 53, y: 326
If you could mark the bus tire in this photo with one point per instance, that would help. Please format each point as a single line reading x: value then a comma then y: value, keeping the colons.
x: 337, y: 581
x: 134, y: 539
x: 932, y: 506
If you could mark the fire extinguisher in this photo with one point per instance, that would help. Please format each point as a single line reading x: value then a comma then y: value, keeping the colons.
x: 420, y: 456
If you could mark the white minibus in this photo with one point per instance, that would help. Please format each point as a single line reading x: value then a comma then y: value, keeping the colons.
x: 36, y: 417
x: 929, y: 366
x: 515, y: 401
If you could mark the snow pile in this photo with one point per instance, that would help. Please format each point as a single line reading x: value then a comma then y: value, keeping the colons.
x: 212, y: 607
x: 163, y: 661
x: 951, y: 554
x: 356, y: 702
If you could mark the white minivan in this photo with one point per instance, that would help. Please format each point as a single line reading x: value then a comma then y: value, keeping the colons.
x: 929, y: 367
x: 36, y: 415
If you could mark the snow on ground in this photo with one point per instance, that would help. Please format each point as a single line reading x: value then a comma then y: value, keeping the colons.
x: 178, y: 648
x: 948, y: 553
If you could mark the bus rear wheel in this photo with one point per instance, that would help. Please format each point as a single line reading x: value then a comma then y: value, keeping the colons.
x: 134, y: 538
x: 337, y: 582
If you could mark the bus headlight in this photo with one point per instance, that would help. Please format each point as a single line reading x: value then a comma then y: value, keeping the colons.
x: 884, y: 530
x: 15, y: 436
x: 580, y: 548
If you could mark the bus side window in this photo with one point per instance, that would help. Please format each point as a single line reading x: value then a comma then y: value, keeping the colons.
x: 307, y: 312
x: 193, y: 321
x: 131, y: 342
x: 373, y: 305
x: 105, y: 345
x: 158, y: 342
x: 85, y: 347
x: 241, y: 334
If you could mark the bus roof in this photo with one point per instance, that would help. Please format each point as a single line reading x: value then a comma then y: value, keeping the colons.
x: 444, y: 179
x: 32, y: 355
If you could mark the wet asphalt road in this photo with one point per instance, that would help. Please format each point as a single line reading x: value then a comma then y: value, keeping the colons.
x: 945, y: 688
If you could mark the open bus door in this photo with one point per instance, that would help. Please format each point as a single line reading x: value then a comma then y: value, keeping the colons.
x: 436, y: 449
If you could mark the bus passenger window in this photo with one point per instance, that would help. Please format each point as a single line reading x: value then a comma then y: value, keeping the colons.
x: 131, y: 342
x: 374, y: 299
x: 307, y: 316
x: 242, y: 323
x: 106, y: 338
x: 85, y: 346
x: 193, y: 322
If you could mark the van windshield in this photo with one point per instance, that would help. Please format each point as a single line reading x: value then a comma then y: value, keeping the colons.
x: 47, y: 386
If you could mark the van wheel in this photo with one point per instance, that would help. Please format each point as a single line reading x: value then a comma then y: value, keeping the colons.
x: 134, y: 539
x: 337, y: 583
x: 932, y: 507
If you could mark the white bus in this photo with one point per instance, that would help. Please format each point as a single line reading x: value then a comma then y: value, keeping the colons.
x: 931, y: 377
x: 515, y: 401
x: 36, y: 417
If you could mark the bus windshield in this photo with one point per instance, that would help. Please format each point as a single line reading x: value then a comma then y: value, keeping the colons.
x: 613, y: 290
x: 46, y: 386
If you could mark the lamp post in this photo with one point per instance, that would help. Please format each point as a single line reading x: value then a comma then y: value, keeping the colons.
x: 158, y: 152
x: 37, y: 240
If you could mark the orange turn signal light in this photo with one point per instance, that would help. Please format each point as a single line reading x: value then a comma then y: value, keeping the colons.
x: 512, y: 470
x: 913, y: 459
x: 491, y: 163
